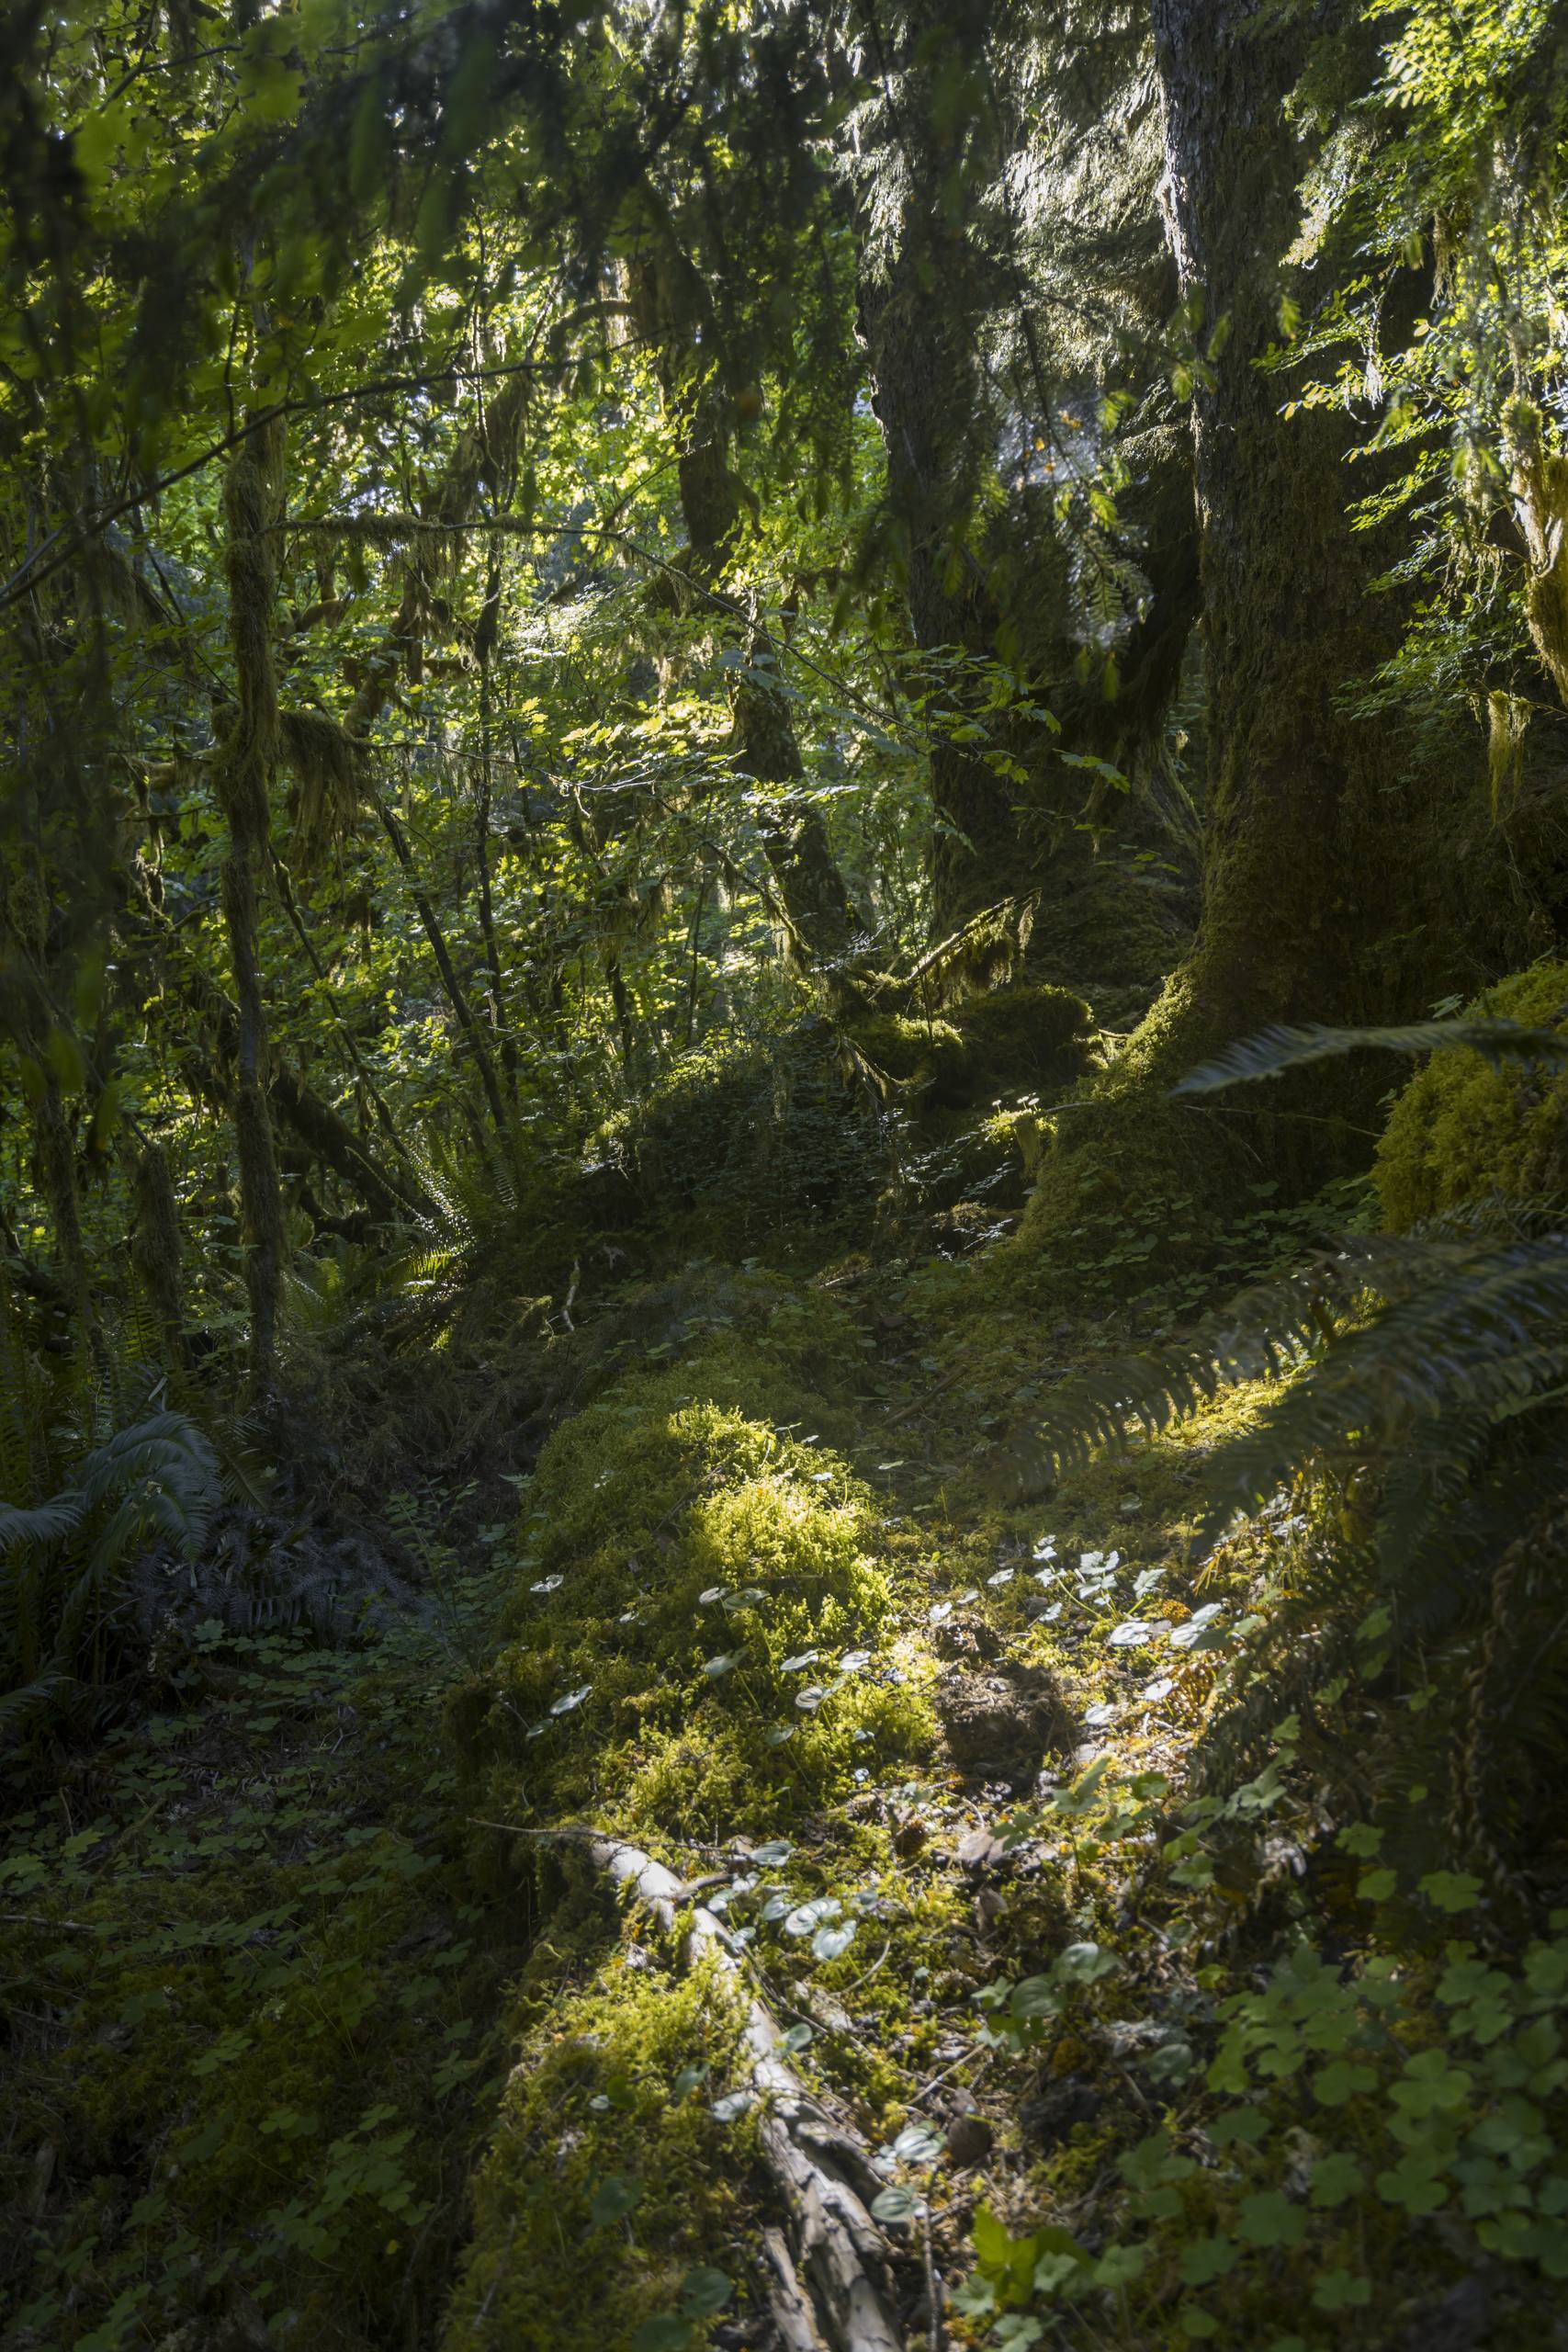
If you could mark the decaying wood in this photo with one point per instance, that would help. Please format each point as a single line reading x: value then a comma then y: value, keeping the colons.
x: 829, y: 2283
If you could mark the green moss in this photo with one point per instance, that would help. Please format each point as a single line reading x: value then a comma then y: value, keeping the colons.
x: 992, y: 1044
x: 927, y: 1055
x: 614, y: 2082
x: 1463, y: 1130
x: 687, y: 1543
x: 742, y: 1141
x: 1025, y: 1036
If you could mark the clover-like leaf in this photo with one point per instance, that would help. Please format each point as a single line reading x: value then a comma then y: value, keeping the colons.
x: 1207, y: 2259
x: 806, y: 1917
x: 1269, y: 2218
x: 897, y: 2204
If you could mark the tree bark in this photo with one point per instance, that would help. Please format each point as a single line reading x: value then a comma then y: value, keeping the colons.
x: 1009, y: 815
x: 1322, y: 858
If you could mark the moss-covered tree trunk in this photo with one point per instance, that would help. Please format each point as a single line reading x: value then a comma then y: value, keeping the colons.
x: 1319, y: 891
x: 919, y: 322
x: 986, y: 567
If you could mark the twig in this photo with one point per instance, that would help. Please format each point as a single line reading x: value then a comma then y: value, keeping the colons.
x: 935, y: 2330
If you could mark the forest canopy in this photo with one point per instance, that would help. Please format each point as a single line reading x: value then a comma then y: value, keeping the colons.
x: 783, y: 1304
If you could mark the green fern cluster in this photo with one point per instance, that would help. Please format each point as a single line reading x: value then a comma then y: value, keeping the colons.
x: 1420, y: 1431
x: 65, y: 1563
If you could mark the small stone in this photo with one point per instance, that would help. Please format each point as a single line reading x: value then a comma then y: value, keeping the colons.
x: 980, y: 1849
x: 970, y: 2140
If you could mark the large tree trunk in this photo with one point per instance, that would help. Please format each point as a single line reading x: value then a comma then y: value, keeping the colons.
x: 920, y: 327
x: 1322, y: 883
x: 986, y: 584
x: 1351, y: 871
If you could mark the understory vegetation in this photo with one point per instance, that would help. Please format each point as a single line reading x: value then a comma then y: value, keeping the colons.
x: 784, y: 1200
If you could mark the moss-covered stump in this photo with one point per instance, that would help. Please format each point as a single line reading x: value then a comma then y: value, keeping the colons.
x: 1002, y: 1043
x: 744, y: 1141
x: 1464, y: 1129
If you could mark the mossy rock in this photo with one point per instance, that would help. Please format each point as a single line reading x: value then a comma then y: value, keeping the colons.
x: 1026, y: 1036
x: 927, y: 1055
x: 1463, y: 1131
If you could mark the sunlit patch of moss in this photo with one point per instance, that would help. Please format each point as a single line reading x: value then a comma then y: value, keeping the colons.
x: 611, y: 2099
x: 701, y: 1625
x: 1463, y: 1129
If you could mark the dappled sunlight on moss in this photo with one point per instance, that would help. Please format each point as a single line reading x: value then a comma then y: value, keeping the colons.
x: 609, y: 2108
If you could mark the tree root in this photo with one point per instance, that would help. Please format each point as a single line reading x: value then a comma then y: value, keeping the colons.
x: 829, y: 2284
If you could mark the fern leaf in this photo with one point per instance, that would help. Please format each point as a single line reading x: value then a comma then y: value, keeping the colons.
x: 1279, y: 1048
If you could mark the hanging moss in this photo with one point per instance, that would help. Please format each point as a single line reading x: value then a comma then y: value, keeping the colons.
x: 1463, y: 1130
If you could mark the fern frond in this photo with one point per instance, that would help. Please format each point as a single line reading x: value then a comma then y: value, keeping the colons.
x: 1279, y: 1048
x: 50, y: 1523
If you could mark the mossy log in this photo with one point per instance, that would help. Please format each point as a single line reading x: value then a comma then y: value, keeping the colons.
x: 817, y: 2164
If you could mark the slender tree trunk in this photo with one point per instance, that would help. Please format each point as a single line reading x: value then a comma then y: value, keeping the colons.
x: 484, y: 649
x: 473, y: 1035
x: 155, y: 1246
x: 669, y: 303
x: 242, y: 774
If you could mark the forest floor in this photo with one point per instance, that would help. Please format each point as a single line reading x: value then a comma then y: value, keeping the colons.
x: 329, y: 2027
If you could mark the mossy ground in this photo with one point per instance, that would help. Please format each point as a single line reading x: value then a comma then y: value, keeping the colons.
x: 745, y: 1583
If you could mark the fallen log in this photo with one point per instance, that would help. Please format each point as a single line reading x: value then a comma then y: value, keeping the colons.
x: 829, y: 2286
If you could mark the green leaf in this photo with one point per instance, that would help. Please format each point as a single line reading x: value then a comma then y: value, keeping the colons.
x: 1269, y: 2218
x: 1208, y: 2259
x: 1341, y: 2080
x: 1334, y: 2179
x: 1341, y: 2290
x: 663, y: 2334
x: 615, y: 2197
x: 705, y: 2292
x: 1452, y: 1890
x: 896, y: 2204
